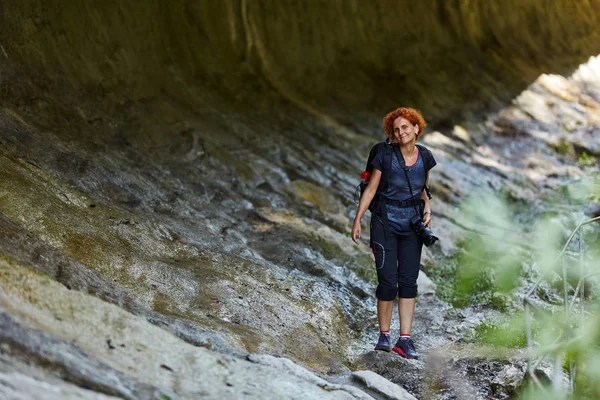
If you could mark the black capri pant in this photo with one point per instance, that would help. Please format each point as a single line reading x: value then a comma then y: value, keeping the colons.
x: 397, y: 259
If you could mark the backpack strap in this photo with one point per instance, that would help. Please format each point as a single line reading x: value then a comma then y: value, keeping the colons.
x: 427, y: 157
x: 387, y: 161
x: 387, y: 167
x: 374, y: 150
x: 428, y: 162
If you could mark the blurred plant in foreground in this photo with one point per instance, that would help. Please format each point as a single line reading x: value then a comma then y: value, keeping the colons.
x: 500, y: 259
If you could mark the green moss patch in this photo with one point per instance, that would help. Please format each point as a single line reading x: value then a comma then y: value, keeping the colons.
x: 317, y: 195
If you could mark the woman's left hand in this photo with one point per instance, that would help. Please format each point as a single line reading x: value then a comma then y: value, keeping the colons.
x: 427, y: 218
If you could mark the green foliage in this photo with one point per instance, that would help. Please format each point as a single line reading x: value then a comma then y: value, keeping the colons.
x: 586, y: 160
x: 463, y: 280
x: 564, y: 147
x: 443, y: 275
x: 486, y: 268
x: 586, y: 189
x: 489, y: 267
x: 509, y: 334
x: 473, y: 278
x: 532, y: 393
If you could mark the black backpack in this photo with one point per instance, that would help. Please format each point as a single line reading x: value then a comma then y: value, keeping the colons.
x: 388, y: 149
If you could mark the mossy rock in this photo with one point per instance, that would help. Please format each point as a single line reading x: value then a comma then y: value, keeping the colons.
x: 316, y: 195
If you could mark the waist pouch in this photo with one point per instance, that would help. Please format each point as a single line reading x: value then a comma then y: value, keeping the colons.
x: 404, y: 203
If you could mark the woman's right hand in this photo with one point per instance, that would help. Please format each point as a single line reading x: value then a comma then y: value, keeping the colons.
x: 365, y: 200
x: 356, y: 232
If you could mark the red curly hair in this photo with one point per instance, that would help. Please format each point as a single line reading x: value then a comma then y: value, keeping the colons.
x: 410, y: 114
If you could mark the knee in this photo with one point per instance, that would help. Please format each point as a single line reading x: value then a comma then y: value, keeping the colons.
x: 386, y: 292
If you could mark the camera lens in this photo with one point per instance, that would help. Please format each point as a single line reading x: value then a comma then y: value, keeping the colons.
x: 424, y: 232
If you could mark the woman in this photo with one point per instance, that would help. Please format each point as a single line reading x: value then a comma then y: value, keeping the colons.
x: 395, y: 244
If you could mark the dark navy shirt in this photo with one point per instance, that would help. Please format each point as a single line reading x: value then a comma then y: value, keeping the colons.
x: 397, y: 189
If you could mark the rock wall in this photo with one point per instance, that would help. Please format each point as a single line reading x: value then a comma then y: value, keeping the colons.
x: 342, y: 62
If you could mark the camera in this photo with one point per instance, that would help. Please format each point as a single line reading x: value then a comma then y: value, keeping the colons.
x: 424, y: 232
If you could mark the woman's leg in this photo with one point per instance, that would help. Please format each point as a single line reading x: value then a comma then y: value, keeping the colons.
x: 406, y: 310
x: 384, y: 314
x: 386, y: 261
x: 409, y: 260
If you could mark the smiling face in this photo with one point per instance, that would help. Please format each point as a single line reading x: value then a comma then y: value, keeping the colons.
x: 404, y: 131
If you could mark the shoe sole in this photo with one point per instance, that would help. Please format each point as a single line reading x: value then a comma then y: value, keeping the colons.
x: 399, y: 351
x: 386, y: 349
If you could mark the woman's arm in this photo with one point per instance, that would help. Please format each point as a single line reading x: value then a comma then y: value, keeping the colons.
x: 427, y: 208
x: 365, y: 200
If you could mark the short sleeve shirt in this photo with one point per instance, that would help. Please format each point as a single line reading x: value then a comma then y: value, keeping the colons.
x: 397, y: 188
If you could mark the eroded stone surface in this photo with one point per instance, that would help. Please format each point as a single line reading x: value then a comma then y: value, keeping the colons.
x: 98, y: 345
x: 382, y: 386
x: 508, y: 380
x: 14, y: 386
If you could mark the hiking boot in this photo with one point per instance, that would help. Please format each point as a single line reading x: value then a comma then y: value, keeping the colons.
x: 383, y: 343
x: 406, y: 348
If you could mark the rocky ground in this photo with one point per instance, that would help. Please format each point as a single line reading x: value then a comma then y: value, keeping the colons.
x: 136, y: 272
